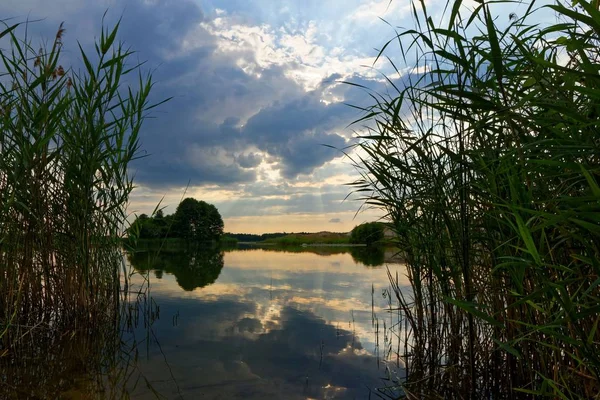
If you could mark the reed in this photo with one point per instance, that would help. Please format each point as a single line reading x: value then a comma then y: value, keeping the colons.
x: 100, y: 360
x: 487, y: 165
x: 67, y: 139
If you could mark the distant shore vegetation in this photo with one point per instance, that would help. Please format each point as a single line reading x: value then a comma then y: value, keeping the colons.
x: 370, y: 234
x: 194, y: 221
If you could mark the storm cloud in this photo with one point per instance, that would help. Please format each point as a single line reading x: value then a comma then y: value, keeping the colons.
x: 224, y: 101
x: 256, y: 92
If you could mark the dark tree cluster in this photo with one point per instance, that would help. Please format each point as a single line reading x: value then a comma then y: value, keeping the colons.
x: 194, y: 220
x: 369, y: 233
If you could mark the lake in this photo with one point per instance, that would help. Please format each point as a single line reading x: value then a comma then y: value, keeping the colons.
x: 257, y: 323
x: 262, y: 323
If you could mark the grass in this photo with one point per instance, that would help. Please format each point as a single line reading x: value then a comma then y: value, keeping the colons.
x: 488, y: 167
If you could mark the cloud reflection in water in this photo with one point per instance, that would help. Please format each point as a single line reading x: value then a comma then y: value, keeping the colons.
x: 272, y: 325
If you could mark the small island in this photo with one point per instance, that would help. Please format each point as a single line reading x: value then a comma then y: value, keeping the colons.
x: 195, y: 221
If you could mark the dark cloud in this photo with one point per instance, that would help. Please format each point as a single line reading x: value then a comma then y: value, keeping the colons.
x: 154, y: 28
x: 274, y: 124
x: 335, y: 221
x: 291, y: 132
x: 218, y: 113
x: 249, y: 160
x: 299, y: 133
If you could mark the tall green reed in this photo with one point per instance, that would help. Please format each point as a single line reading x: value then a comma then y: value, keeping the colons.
x: 67, y: 139
x: 67, y: 304
x: 487, y: 164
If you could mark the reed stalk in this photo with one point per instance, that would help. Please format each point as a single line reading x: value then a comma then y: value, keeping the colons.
x: 487, y: 163
x: 67, y: 139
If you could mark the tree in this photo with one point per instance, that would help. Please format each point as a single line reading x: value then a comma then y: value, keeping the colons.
x: 368, y: 233
x: 145, y: 227
x: 198, y: 221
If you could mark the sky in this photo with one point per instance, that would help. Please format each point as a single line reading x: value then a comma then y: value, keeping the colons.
x: 259, y: 104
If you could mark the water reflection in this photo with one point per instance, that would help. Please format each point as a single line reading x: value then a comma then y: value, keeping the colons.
x: 369, y: 256
x: 238, y: 324
x: 275, y: 324
x: 87, y: 361
x: 192, y: 267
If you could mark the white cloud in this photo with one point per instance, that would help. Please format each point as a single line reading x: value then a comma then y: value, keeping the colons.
x: 371, y: 12
x: 298, y: 51
x: 232, y: 68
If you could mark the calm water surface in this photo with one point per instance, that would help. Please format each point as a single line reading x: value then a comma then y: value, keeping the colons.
x: 258, y: 324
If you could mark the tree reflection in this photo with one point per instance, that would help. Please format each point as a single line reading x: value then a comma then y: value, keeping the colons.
x: 371, y: 256
x: 193, y: 268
